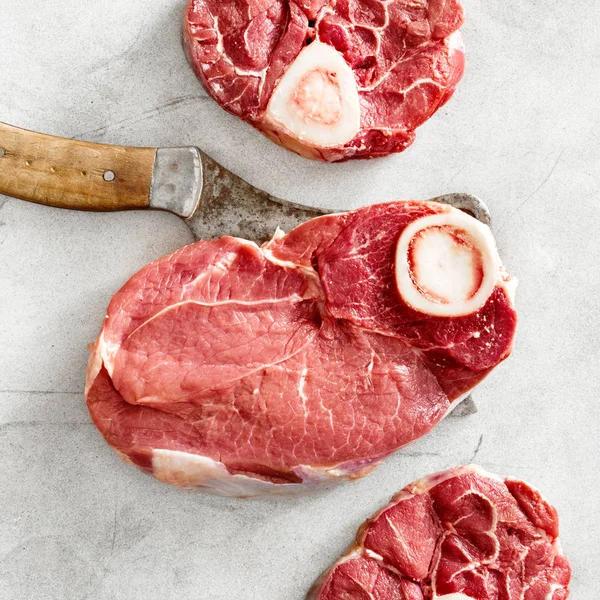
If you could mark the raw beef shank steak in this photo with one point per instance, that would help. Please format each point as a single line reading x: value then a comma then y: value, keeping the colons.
x: 270, y: 370
x: 462, y: 534
x: 328, y: 79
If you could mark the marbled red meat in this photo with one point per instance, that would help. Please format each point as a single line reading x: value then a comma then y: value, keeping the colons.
x: 462, y: 534
x: 405, y: 59
x: 254, y: 370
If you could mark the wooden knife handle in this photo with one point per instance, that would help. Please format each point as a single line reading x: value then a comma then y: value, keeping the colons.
x: 72, y: 174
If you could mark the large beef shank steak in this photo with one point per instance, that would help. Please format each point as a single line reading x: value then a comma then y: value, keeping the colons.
x: 328, y: 79
x: 462, y: 534
x: 270, y: 370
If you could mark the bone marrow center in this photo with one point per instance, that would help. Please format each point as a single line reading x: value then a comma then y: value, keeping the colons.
x: 317, y: 97
x: 316, y: 100
x: 445, y: 264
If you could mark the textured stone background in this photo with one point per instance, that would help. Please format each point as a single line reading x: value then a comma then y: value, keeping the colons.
x: 522, y: 132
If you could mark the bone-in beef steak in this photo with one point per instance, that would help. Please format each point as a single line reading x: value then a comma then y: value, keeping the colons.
x: 462, y: 534
x: 328, y: 79
x: 252, y: 370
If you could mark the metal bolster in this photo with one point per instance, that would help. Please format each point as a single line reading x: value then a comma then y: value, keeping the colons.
x: 177, y: 180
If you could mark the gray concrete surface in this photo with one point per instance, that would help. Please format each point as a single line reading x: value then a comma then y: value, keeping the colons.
x: 523, y: 132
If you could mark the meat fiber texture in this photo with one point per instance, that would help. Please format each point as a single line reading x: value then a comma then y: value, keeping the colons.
x: 406, y: 57
x: 256, y: 371
x: 462, y: 534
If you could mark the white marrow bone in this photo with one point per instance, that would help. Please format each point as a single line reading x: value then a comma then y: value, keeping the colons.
x: 316, y: 100
x: 447, y: 264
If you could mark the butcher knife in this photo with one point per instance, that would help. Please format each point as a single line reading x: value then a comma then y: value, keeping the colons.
x: 213, y: 201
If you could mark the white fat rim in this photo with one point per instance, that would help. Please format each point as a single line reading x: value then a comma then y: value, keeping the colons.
x: 193, y: 471
x: 456, y: 41
x: 94, y: 365
x: 484, y: 240
x: 186, y: 470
